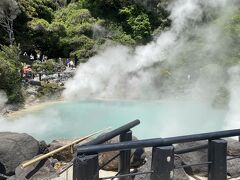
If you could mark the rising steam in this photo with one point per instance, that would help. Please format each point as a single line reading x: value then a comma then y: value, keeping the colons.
x: 184, y: 61
x: 232, y: 120
x: 3, y: 99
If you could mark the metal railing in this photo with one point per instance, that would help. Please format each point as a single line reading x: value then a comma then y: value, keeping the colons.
x: 162, y: 167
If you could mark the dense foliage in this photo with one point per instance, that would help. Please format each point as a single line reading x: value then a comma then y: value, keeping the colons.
x: 63, y: 28
x: 10, y: 78
x: 48, y: 66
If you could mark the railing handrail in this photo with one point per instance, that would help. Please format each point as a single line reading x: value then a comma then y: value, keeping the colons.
x: 109, y: 135
x: 157, y: 142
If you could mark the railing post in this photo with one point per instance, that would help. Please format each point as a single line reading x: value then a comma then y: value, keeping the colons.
x: 162, y: 163
x: 125, y: 156
x: 86, y: 167
x: 217, y: 154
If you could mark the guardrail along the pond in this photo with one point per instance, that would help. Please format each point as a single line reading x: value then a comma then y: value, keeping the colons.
x: 86, y: 165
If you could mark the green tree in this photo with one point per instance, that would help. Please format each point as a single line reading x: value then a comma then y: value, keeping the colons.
x: 10, y: 77
x: 77, y: 26
x: 138, y: 22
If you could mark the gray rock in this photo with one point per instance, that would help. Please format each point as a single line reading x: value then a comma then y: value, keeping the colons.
x: 14, y: 149
x: 233, y: 148
x: 67, y: 154
x: 233, y: 165
x: 43, y: 147
x: 145, y: 168
x: 35, y: 83
x: 138, y: 157
x: 194, y: 157
x: 178, y: 174
x: 43, y: 170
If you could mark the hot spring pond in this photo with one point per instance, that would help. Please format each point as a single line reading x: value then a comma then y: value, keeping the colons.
x: 158, y: 118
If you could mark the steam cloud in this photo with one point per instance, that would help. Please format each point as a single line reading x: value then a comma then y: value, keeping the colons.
x: 232, y: 120
x: 183, y: 61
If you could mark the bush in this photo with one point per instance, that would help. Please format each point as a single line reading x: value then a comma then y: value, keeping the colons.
x: 39, y: 24
x: 10, y: 77
x: 137, y: 22
x: 48, y: 89
x: 48, y: 66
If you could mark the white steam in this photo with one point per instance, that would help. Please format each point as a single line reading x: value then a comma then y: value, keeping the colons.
x: 38, y: 125
x: 193, y: 47
x: 232, y: 120
x: 3, y: 99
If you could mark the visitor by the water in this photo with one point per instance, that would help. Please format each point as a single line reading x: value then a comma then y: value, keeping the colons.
x: 27, y: 71
x: 71, y: 64
x: 75, y: 60
x: 60, y: 61
x: 68, y: 62
x: 38, y: 56
x: 31, y: 57
x: 44, y: 58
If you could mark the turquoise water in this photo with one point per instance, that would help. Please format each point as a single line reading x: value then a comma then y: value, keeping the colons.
x: 158, y: 118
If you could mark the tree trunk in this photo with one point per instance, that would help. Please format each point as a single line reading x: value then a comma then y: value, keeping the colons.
x: 10, y: 37
x: 11, y: 34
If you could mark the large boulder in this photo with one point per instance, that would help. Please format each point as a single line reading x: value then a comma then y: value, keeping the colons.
x: 65, y: 155
x: 138, y: 157
x: 233, y: 165
x: 233, y: 148
x: 14, y: 149
x: 41, y: 170
x: 68, y: 153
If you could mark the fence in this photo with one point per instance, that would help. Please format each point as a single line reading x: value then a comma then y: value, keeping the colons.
x: 86, y: 167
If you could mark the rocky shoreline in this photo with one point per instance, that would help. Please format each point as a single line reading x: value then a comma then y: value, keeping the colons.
x: 40, y: 93
x: 29, y: 108
x: 16, y: 148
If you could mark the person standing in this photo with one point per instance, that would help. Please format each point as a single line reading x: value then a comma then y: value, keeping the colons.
x: 68, y: 62
x: 38, y: 56
x: 43, y: 58
x: 75, y: 60
x: 31, y: 57
x: 60, y: 61
x: 71, y: 64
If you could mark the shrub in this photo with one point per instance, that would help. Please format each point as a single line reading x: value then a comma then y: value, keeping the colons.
x: 10, y: 77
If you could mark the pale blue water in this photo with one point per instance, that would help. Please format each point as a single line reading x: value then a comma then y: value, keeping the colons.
x: 158, y: 118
